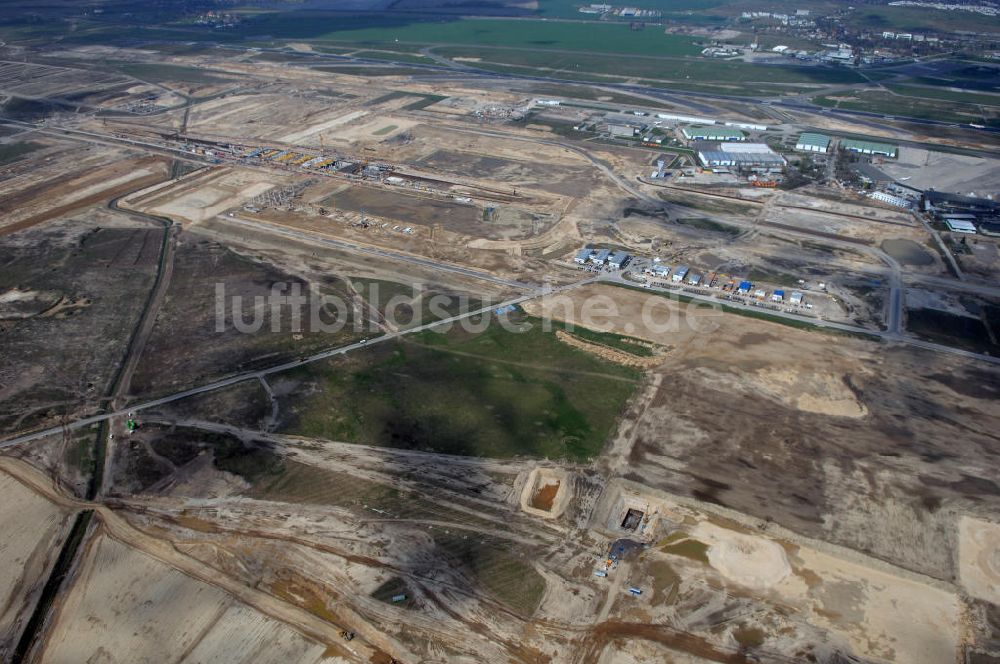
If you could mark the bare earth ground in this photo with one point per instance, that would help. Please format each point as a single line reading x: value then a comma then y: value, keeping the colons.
x: 83, y: 281
x: 33, y: 528
x: 842, y: 445
x: 131, y: 608
x: 804, y: 496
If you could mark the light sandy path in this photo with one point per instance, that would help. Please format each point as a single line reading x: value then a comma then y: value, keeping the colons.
x: 361, y: 649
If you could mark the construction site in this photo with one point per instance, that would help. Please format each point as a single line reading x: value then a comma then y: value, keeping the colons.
x: 765, y: 432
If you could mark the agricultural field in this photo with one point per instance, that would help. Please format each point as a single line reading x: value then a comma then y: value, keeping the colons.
x: 918, y: 19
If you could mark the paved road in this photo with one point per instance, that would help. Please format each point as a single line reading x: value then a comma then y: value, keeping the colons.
x: 947, y: 283
x: 256, y: 375
x: 105, y: 139
x: 619, y: 278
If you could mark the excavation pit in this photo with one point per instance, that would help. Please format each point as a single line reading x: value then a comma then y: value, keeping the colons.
x: 546, y: 492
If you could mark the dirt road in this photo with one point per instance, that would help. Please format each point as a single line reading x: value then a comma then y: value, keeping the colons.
x: 368, y: 645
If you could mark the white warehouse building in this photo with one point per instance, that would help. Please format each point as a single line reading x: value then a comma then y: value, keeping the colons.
x: 884, y: 197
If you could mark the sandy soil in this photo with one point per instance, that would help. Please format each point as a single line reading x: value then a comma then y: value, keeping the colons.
x: 204, y: 194
x: 618, y: 356
x: 39, y: 201
x: 662, y: 321
x: 635, y: 651
x: 749, y: 561
x: 299, y: 136
x: 31, y: 529
x: 979, y: 558
x: 546, y: 493
x: 127, y: 607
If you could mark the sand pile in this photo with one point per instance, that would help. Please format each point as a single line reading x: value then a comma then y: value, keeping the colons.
x: 750, y: 561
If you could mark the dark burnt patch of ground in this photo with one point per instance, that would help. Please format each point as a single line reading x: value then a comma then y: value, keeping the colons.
x: 155, y: 457
x: 188, y: 347
x: 58, y: 360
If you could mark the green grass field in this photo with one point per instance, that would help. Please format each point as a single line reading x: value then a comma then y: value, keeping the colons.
x: 930, y: 109
x: 493, y: 393
x: 920, y: 19
x: 372, y: 70
x: 571, y: 8
x: 669, y: 68
x: 373, y: 30
x: 945, y: 94
x: 395, y: 56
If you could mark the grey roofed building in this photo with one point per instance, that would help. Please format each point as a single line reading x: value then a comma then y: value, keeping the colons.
x: 624, y: 130
x: 617, y: 259
x: 583, y: 255
x: 869, y: 147
x: 813, y: 142
x: 751, y: 156
x: 713, y: 134
x: 601, y: 256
